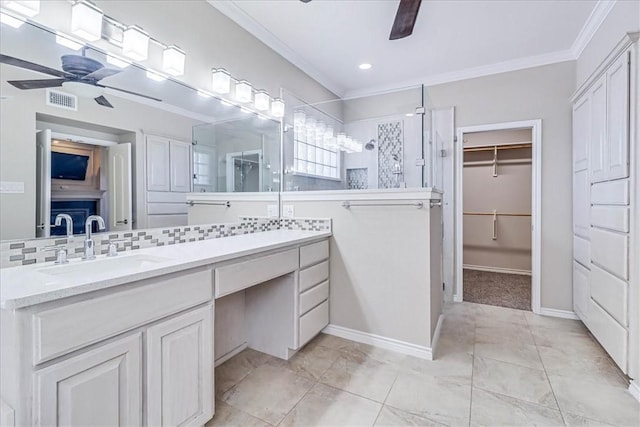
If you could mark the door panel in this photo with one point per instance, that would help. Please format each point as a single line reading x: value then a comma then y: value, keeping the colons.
x: 43, y: 183
x: 180, y: 153
x: 618, y: 119
x: 157, y: 164
x: 120, y: 209
x: 581, y: 140
x: 598, y: 135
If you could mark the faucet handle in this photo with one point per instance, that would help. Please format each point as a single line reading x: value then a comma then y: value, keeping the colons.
x: 61, y: 253
x: 113, y: 247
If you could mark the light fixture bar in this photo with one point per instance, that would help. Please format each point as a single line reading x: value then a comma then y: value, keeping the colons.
x: 68, y: 41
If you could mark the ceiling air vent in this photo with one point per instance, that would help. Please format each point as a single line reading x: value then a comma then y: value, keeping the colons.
x: 57, y: 98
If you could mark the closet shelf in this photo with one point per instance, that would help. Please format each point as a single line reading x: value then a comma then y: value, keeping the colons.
x: 496, y: 214
x: 497, y: 147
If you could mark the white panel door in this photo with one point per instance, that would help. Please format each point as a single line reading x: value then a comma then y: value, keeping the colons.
x: 617, y: 148
x: 581, y: 128
x: 581, y: 291
x: 120, y: 207
x: 180, y: 370
x: 43, y: 183
x: 597, y: 152
x: 157, y: 164
x: 180, y: 166
x: 581, y: 204
x: 100, y: 387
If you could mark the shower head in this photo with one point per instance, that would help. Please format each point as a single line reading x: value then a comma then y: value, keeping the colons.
x: 370, y: 145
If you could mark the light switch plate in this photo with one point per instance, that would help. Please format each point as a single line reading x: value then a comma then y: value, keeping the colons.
x: 287, y: 211
x: 272, y: 211
x: 9, y: 187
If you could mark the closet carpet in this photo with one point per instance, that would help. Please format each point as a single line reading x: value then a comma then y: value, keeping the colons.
x: 504, y: 290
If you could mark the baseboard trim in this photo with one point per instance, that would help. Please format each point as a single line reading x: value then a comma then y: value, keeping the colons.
x: 496, y: 269
x: 634, y: 389
x: 382, y: 342
x: 565, y: 314
x: 229, y: 355
x: 436, y: 336
x: 457, y: 298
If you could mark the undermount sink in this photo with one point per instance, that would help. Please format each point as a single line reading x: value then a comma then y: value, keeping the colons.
x: 87, y: 268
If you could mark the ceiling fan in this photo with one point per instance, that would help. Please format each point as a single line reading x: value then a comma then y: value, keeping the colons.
x: 405, y: 18
x: 80, y: 76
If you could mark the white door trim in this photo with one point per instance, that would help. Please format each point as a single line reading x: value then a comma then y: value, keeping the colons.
x: 536, y: 198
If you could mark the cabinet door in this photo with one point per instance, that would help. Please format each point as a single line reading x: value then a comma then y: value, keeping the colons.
x: 180, y: 166
x: 580, y: 291
x: 180, y: 370
x: 157, y: 164
x: 581, y: 204
x: 598, y: 132
x: 617, y: 148
x: 581, y: 129
x: 100, y: 387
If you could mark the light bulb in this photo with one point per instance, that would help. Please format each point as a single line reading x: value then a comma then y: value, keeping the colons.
x: 86, y: 21
x: 135, y: 43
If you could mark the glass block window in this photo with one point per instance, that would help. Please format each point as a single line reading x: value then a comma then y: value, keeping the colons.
x: 315, y: 152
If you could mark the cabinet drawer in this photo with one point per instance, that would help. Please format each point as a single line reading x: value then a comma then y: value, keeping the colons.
x: 580, y: 291
x: 610, y: 292
x: 610, y: 250
x: 314, y: 296
x: 313, y: 322
x: 313, y: 275
x: 59, y: 331
x: 312, y: 254
x: 241, y: 275
x: 611, y: 217
x: 582, y: 251
x: 610, y: 193
x: 612, y: 336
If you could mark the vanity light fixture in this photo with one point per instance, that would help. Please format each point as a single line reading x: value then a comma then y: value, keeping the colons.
x: 243, y: 91
x: 68, y: 41
x: 173, y: 60
x: 277, y: 108
x: 10, y: 20
x: 135, y: 43
x: 365, y: 66
x: 28, y: 8
x: 116, y: 61
x: 261, y: 100
x: 156, y: 76
x: 86, y: 21
x: 220, y: 80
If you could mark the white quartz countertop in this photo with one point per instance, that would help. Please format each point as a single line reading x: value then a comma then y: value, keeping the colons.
x: 39, y: 283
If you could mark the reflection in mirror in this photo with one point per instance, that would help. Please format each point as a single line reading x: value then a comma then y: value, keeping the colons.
x: 116, y: 151
x: 360, y: 143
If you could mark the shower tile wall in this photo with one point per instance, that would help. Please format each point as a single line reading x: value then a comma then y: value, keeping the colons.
x: 390, y: 142
x: 357, y: 179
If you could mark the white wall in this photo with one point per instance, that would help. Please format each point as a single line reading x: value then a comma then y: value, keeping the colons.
x: 534, y: 93
x: 624, y: 17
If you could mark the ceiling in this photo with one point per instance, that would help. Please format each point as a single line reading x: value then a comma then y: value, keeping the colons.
x: 452, y: 39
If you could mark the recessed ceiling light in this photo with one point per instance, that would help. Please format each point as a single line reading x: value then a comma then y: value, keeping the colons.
x: 364, y: 66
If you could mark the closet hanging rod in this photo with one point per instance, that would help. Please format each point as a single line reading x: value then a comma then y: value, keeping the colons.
x: 347, y: 204
x: 496, y: 213
x: 192, y: 203
x: 496, y: 147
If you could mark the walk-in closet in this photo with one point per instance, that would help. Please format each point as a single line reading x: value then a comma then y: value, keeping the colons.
x: 497, y: 218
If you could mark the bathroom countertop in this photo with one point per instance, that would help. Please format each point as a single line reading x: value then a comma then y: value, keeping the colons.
x: 39, y: 283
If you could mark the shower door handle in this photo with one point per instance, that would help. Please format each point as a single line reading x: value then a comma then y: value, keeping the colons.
x: 124, y: 221
x: 494, y: 236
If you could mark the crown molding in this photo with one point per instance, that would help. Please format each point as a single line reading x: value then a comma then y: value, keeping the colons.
x: 598, y: 15
x: 469, y: 73
x: 234, y: 12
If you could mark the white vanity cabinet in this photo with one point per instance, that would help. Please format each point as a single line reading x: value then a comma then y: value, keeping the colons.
x: 168, y: 164
x: 313, y: 307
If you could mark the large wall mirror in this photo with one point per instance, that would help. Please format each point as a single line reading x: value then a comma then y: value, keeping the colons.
x: 129, y: 152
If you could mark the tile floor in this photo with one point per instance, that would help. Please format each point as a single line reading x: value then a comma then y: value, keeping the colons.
x: 494, y: 366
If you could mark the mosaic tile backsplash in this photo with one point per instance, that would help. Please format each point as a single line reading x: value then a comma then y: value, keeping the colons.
x: 358, y: 179
x: 16, y: 253
x: 390, y: 143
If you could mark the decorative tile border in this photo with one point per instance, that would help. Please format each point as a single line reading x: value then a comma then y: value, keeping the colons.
x: 16, y: 253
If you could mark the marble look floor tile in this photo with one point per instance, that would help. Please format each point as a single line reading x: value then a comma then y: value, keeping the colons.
x: 368, y: 378
x: 335, y: 343
x: 235, y: 369
x: 523, y: 354
x: 596, y: 401
x: 268, y: 393
x: 309, y: 363
x: 454, y: 344
x: 556, y: 323
x: 228, y: 416
x: 579, y: 341
x: 327, y: 406
x: 591, y: 366
x: 393, y: 417
x: 505, y: 334
x: 449, y: 365
x: 522, y: 383
x: 490, y: 315
x: 573, y: 420
x: 492, y: 409
x: 439, y: 399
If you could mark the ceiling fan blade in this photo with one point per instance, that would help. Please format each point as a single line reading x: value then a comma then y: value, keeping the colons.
x: 405, y: 19
x: 129, y: 92
x: 103, y: 101
x: 10, y: 60
x: 36, y: 84
x: 101, y: 74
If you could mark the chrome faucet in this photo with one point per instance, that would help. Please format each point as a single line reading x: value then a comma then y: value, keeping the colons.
x: 68, y: 220
x: 89, y: 246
